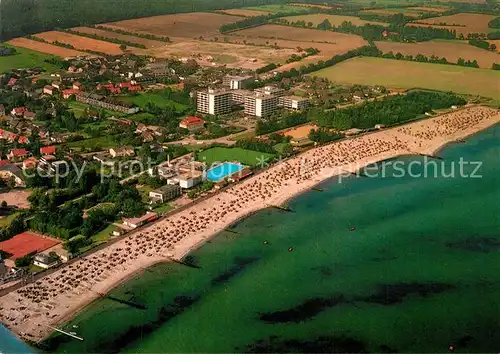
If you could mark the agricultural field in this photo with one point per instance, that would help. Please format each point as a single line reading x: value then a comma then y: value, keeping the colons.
x: 149, y: 43
x: 26, y: 58
x: 244, y: 12
x: 335, y: 20
x: 432, y: 9
x: 221, y: 154
x: 317, y: 6
x: 235, y: 55
x: 286, y: 9
x: 406, y: 74
x: 45, y: 48
x: 392, y: 11
x: 464, y: 23
x: 82, y: 43
x: 451, y: 50
x: 346, y: 41
x: 185, y: 25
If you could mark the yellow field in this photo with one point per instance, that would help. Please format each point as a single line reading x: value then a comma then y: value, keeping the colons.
x: 407, y: 74
x: 464, y: 23
x: 449, y: 50
x: 335, y: 20
x: 244, y: 12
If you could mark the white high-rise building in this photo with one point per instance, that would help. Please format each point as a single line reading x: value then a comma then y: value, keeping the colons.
x: 214, y: 102
x: 260, y: 105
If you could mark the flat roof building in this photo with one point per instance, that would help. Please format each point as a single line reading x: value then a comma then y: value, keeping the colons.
x: 238, y: 96
x: 237, y: 82
x: 270, y: 90
x: 165, y: 193
x: 293, y: 102
x: 214, y: 102
x: 260, y: 105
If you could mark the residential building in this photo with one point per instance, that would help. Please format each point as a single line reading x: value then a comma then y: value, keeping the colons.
x: 10, y: 171
x: 77, y: 86
x: 57, y: 85
x: 68, y: 93
x: 12, y: 82
x: 293, y: 102
x: 142, y: 220
x: 18, y: 111
x: 49, y: 90
x: 192, y: 124
x: 122, y: 151
x: 46, y: 261
x: 17, y: 154
x: 189, y: 179
x: 166, y: 172
x: 214, y: 102
x: 165, y: 193
x: 107, y: 103
x: 30, y: 163
x: 237, y: 82
x: 48, y: 150
x: 238, y: 96
x: 270, y: 90
x: 260, y: 105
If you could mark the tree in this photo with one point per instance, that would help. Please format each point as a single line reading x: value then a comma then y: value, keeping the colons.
x: 123, y: 47
x: 4, y: 204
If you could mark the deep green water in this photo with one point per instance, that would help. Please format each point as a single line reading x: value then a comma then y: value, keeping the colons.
x: 420, y: 272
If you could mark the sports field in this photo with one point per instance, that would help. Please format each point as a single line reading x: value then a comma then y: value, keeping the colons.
x: 406, y: 74
x: 25, y: 58
x: 221, y: 154
x: 451, y: 50
x: 335, y: 20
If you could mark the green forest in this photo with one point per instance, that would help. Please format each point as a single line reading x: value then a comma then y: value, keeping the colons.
x: 21, y: 17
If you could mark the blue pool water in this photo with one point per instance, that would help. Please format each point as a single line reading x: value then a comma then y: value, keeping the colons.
x: 218, y: 173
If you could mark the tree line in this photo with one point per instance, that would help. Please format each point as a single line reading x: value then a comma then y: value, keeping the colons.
x: 22, y: 17
x: 389, y: 111
x: 483, y: 44
x: 135, y: 34
x: 105, y: 39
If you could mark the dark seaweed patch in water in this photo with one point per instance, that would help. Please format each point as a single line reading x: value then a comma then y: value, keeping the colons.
x: 322, y: 344
x: 240, y: 263
x: 323, y: 270
x: 477, y: 244
x: 389, y: 294
x: 132, y: 334
x: 302, y: 312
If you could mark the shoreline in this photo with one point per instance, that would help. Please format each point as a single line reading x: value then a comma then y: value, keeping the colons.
x: 23, y: 325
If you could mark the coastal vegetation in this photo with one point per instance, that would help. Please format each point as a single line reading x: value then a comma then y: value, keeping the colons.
x: 389, y: 111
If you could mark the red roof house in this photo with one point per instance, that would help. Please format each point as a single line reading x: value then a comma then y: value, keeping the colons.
x: 68, y: 93
x: 17, y: 154
x: 12, y: 82
x: 48, y: 150
x: 192, y: 123
x: 18, y: 111
x: 23, y: 140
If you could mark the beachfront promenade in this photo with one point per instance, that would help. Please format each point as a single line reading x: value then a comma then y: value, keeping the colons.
x: 58, y: 296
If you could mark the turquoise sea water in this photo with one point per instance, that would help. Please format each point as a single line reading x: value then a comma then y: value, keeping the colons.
x: 10, y: 344
x: 419, y: 272
x: 222, y: 171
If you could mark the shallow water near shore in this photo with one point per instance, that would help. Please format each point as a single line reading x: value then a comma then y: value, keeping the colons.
x: 420, y: 272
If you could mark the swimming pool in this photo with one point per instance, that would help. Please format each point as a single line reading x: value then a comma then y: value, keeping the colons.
x: 226, y: 169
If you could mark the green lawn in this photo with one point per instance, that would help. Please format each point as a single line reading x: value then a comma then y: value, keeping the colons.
x: 26, y: 58
x: 157, y: 99
x: 104, y: 235
x: 221, y: 154
x: 102, y: 142
x: 163, y: 208
x: 6, y: 220
x: 288, y: 9
x: 79, y: 107
x: 407, y: 74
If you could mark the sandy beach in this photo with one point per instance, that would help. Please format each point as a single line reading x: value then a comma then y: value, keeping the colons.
x: 57, y: 297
